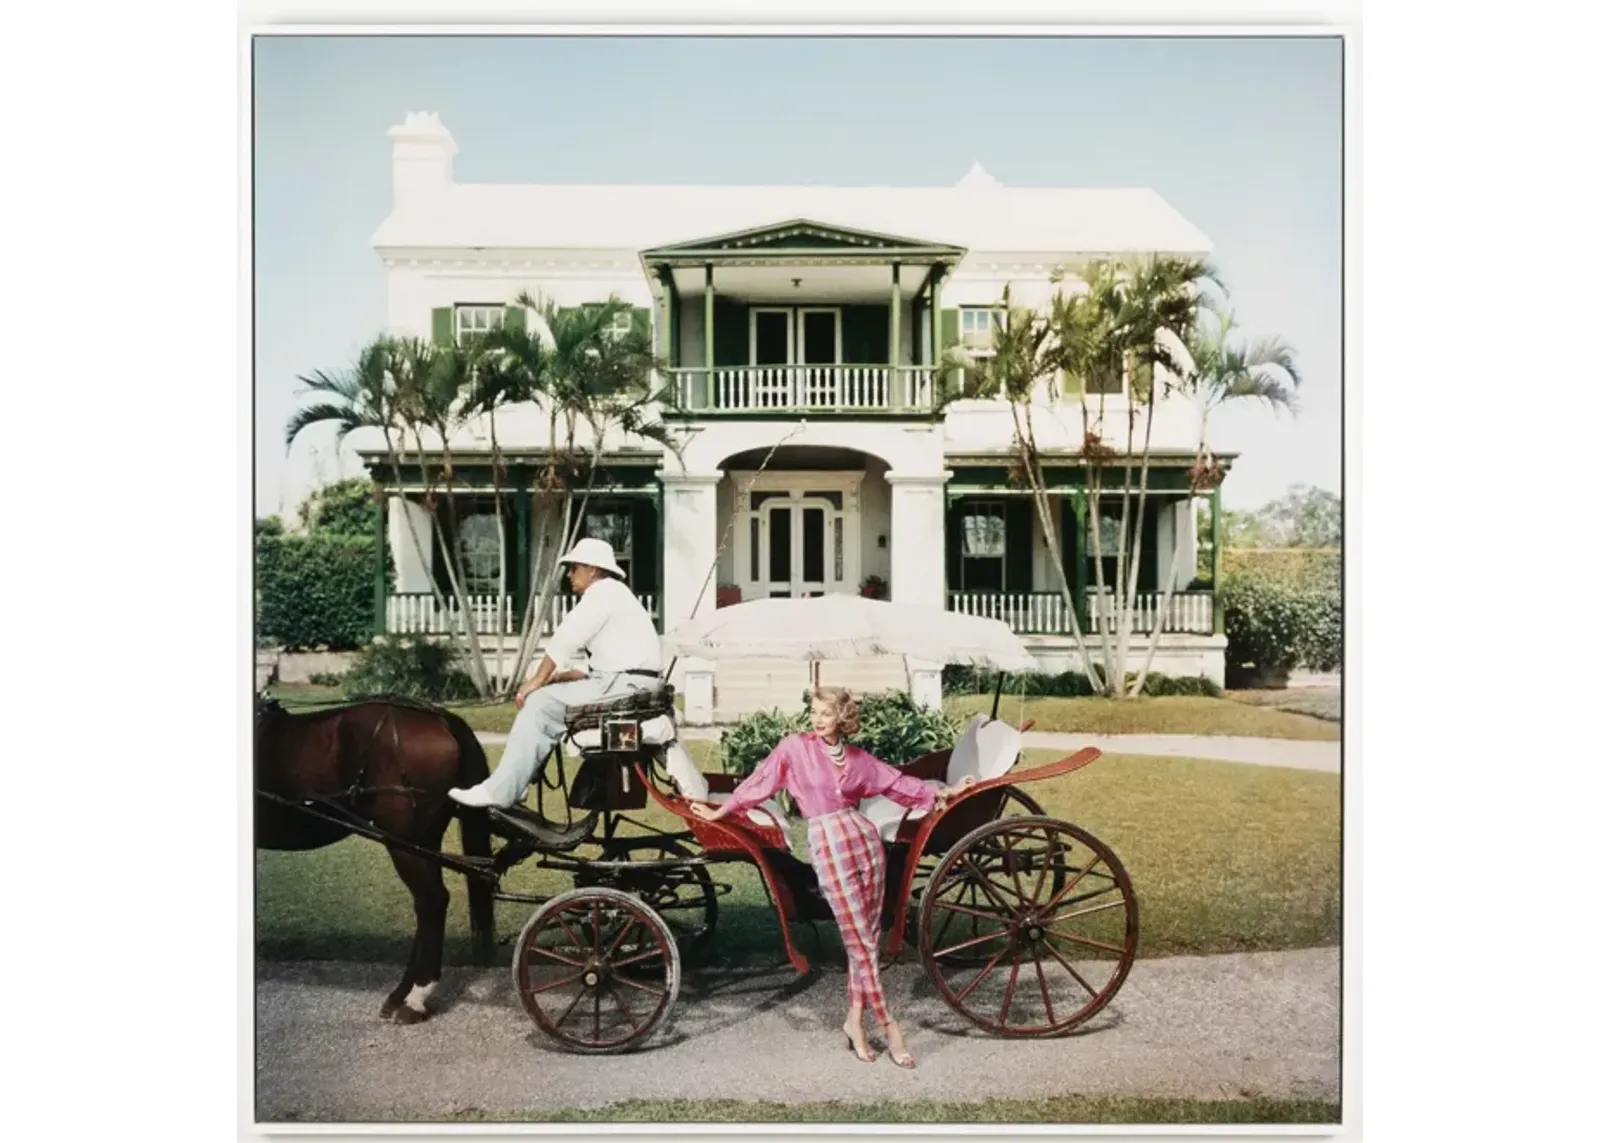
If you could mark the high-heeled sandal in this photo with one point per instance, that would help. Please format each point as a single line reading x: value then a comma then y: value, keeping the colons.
x: 861, y: 1051
x: 905, y: 1059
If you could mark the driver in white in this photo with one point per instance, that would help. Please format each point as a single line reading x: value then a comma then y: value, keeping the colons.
x: 624, y: 654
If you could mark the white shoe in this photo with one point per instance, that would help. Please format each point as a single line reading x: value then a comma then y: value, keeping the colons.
x: 473, y: 796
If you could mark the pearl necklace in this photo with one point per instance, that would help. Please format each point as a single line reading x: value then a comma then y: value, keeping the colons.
x: 835, y: 751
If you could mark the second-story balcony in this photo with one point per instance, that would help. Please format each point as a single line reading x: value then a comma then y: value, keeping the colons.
x: 838, y: 388
x: 802, y: 317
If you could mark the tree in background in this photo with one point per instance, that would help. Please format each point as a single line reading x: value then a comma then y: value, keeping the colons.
x: 343, y: 508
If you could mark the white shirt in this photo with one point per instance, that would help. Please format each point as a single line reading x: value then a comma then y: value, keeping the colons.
x: 612, y: 625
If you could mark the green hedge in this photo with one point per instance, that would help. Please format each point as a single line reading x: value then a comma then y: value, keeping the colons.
x: 1312, y: 567
x: 1068, y: 684
x: 894, y: 727
x: 1277, y: 620
x: 314, y: 590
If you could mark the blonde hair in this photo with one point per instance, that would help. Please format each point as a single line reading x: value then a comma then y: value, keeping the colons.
x: 843, y: 704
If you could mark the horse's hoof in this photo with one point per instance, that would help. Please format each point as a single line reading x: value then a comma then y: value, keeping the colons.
x: 405, y: 1014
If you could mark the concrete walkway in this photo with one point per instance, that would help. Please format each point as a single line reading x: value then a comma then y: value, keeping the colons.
x: 1292, y: 753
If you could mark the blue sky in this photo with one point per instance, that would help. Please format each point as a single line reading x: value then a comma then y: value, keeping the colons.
x: 1240, y: 135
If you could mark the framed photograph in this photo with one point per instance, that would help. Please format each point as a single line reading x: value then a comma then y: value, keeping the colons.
x: 620, y: 735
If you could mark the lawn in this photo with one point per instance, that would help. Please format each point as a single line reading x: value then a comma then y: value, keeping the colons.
x: 1174, y: 714
x: 1223, y: 857
x: 1318, y: 702
x: 1056, y: 1109
x: 1178, y: 714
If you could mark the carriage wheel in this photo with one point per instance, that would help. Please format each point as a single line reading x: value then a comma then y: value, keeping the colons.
x: 686, y: 896
x: 1051, y: 911
x: 597, y: 970
x: 956, y: 925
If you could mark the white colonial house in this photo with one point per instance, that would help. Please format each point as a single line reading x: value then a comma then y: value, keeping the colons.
x: 809, y: 315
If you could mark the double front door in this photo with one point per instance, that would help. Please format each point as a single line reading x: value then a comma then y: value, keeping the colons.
x: 783, y: 344
x: 797, y: 547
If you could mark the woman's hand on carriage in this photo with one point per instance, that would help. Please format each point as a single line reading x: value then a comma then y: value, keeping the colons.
x: 942, y: 796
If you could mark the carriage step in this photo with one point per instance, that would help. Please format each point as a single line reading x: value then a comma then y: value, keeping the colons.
x: 517, y: 822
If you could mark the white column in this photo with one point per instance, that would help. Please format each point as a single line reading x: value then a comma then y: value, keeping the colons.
x: 689, y: 539
x: 1185, y: 545
x: 916, y: 560
x: 411, y: 566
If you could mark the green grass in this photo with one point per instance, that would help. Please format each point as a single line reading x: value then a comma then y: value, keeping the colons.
x: 1056, y: 1109
x: 1176, y: 714
x: 1223, y: 857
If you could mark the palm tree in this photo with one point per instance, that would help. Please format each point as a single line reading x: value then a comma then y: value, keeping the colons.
x: 589, y: 372
x: 1224, y: 369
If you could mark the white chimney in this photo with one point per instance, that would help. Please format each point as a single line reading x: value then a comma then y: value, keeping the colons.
x: 423, y: 150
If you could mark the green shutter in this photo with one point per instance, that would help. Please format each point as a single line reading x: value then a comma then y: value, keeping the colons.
x: 949, y: 330
x: 444, y: 325
x: 952, y: 546
x: 731, y: 321
x: 1019, y: 543
x: 865, y: 336
x: 644, y: 546
x: 516, y: 318
x: 641, y: 320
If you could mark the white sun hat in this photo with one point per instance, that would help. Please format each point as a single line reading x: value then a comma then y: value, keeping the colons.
x: 596, y: 554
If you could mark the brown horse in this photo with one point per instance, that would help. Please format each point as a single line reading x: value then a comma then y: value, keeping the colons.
x: 386, y: 762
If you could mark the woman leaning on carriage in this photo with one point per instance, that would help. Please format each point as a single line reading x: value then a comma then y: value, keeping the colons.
x: 828, y: 778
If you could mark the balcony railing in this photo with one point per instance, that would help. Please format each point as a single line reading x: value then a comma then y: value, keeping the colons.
x: 419, y: 613
x: 1045, y: 613
x: 806, y: 388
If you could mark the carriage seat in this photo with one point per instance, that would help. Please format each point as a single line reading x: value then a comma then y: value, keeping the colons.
x: 653, y: 708
x: 657, y: 731
x: 692, y: 784
x: 987, y: 749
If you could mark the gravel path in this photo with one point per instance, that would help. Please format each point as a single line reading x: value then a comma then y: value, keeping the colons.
x: 1255, y: 1024
x: 1296, y: 754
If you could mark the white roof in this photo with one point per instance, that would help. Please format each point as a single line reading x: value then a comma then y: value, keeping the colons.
x: 978, y: 214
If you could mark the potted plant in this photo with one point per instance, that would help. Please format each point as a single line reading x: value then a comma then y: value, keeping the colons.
x: 728, y: 594
x: 875, y: 587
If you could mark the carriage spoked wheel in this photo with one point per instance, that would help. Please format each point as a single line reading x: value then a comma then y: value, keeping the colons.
x: 955, y: 925
x: 597, y: 970
x: 662, y: 873
x: 1028, y: 927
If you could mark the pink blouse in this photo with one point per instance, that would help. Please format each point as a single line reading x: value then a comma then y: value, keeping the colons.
x: 800, y: 764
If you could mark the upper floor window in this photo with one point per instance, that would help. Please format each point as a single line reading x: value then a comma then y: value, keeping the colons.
x: 978, y: 327
x: 475, y: 321
x: 621, y: 325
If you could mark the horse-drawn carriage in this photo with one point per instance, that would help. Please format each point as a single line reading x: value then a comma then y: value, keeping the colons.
x: 1026, y: 924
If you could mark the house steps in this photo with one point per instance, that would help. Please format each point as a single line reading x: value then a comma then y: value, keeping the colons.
x: 744, y: 686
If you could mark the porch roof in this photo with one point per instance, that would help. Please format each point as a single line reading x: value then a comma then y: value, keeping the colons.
x: 796, y: 240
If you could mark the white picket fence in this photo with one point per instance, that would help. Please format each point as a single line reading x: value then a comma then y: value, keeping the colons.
x: 807, y: 388
x: 419, y: 613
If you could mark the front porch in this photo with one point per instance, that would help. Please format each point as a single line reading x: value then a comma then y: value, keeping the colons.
x: 803, y: 317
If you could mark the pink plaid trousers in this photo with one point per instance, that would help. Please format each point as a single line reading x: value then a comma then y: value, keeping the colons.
x: 848, y: 856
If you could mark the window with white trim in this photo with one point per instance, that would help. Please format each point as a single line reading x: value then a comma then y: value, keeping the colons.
x: 615, y: 527
x: 473, y: 322
x: 983, y: 546
x: 978, y: 327
x: 481, y: 554
x: 621, y: 325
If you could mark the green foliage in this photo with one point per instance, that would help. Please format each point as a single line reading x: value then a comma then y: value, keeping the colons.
x: 414, y: 667
x: 344, y: 508
x: 269, y: 526
x: 1067, y: 684
x: 1301, y: 518
x: 314, y: 591
x: 1314, y: 568
x: 894, y: 727
x: 326, y: 679
x: 1275, y: 620
x: 752, y: 738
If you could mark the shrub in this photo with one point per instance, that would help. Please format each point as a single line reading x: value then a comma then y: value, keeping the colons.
x: 326, y: 679
x: 416, y: 668
x: 1067, y: 684
x: 894, y: 727
x: 1310, y: 567
x: 1277, y: 622
x: 314, y: 590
